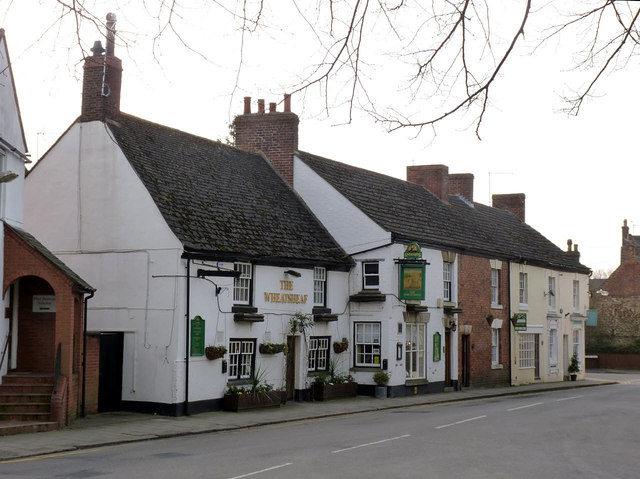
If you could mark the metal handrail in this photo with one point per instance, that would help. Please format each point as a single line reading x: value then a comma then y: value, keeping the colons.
x: 4, y: 350
x: 58, y: 367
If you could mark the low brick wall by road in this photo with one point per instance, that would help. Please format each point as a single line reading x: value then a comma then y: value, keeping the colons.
x: 613, y: 361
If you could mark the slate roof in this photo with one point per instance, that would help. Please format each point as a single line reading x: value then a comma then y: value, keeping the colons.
x: 221, y: 201
x: 49, y: 256
x: 412, y: 213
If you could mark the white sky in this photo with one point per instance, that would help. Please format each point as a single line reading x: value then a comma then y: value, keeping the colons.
x: 579, y: 174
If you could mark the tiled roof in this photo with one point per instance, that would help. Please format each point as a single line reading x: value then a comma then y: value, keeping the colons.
x: 49, y: 256
x: 220, y: 200
x: 412, y: 213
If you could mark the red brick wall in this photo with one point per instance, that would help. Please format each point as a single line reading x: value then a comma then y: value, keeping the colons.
x: 461, y: 184
x: 92, y: 374
x: 274, y: 134
x: 474, y: 297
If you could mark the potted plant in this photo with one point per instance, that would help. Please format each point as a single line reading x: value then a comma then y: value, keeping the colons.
x: 333, y: 385
x: 272, y: 348
x: 574, y: 367
x: 381, y: 378
x: 215, y: 352
x: 340, y: 346
x: 257, y: 394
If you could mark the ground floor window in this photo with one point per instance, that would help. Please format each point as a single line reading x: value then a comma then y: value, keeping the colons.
x: 415, y: 351
x: 527, y: 350
x: 318, y: 353
x: 367, y: 344
x: 495, y: 346
x: 577, y: 345
x: 242, y: 358
x: 553, y: 347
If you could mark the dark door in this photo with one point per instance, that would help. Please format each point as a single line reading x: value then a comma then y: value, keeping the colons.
x: 447, y: 357
x: 291, y: 367
x: 466, y: 361
x: 537, y: 355
x: 110, y: 383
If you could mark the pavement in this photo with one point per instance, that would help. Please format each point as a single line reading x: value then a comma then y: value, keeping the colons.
x: 125, y: 427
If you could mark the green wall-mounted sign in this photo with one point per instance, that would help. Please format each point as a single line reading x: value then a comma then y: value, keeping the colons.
x: 197, y: 336
x: 437, y: 347
x: 412, y: 280
x: 519, y: 321
x: 413, y: 251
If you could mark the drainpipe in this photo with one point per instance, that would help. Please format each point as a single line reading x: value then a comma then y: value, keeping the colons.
x: 509, y: 319
x: 186, y: 356
x: 84, y: 353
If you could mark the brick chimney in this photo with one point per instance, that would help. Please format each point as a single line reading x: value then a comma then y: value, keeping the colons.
x: 461, y: 184
x: 513, y: 202
x: 573, y: 252
x: 435, y: 178
x: 102, y: 79
x: 273, y: 134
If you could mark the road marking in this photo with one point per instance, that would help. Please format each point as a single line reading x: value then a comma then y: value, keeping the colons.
x: 460, y: 422
x: 261, y: 471
x: 567, y: 399
x: 524, y: 407
x: 48, y: 456
x: 370, y: 444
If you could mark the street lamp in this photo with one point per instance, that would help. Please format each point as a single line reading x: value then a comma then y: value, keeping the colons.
x: 7, y: 176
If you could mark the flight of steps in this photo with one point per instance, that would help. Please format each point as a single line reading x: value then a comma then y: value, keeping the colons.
x: 25, y: 403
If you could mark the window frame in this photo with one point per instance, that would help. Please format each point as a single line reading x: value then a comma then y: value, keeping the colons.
x: 576, y: 296
x: 527, y: 351
x: 523, y: 286
x: 313, y: 355
x: 495, y: 346
x: 576, y: 345
x: 447, y: 280
x: 319, y: 286
x: 366, y: 275
x: 412, y: 354
x: 362, y: 349
x: 553, y: 346
x: 552, y: 292
x: 495, y: 287
x: 236, y: 358
x: 246, y: 275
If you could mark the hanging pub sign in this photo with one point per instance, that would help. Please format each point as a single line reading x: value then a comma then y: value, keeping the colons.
x: 437, y: 347
x: 197, y: 336
x: 519, y: 321
x: 412, y: 274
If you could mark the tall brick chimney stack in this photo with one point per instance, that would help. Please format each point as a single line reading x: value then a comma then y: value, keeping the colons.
x: 273, y: 134
x: 513, y: 202
x: 573, y: 251
x: 461, y: 184
x: 102, y: 79
x: 627, y: 249
x: 435, y: 178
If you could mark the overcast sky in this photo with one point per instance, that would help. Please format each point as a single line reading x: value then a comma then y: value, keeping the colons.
x: 579, y: 174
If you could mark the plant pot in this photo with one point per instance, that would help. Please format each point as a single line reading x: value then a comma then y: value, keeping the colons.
x: 573, y: 377
x: 212, y: 353
x: 240, y: 402
x: 334, y: 391
x: 381, y: 392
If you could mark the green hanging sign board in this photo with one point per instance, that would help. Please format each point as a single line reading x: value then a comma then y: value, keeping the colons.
x: 437, y: 347
x: 197, y: 336
x: 412, y: 282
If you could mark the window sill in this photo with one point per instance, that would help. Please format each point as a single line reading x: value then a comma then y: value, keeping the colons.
x: 244, y: 308
x: 322, y: 314
x: 366, y: 369
x: 523, y: 307
x: 496, y: 366
x: 248, y: 317
x: 497, y: 306
x: 367, y: 296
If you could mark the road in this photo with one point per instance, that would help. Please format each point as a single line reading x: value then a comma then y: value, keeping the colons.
x: 586, y: 433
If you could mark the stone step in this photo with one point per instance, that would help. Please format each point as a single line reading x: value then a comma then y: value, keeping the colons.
x: 8, y: 428
x: 27, y: 378
x: 25, y: 407
x: 25, y: 416
x: 16, y: 388
x: 24, y: 397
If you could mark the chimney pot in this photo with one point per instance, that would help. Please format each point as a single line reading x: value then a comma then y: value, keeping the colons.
x: 97, y: 48
x: 111, y: 33
x: 287, y: 102
x: 272, y: 107
x: 261, y: 106
x: 247, y: 105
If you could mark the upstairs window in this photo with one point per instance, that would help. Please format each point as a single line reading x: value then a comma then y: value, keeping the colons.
x: 242, y: 284
x: 319, y: 286
x: 523, y: 285
x: 576, y: 296
x: 552, y: 293
x: 371, y: 275
x: 495, y: 281
x: 446, y: 278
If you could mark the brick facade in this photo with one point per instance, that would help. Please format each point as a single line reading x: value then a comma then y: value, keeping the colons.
x: 40, y: 333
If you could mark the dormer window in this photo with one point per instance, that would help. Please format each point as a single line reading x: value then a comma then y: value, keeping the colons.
x: 371, y: 275
x: 242, y: 284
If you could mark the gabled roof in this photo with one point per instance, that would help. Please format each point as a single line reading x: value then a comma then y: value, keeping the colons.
x: 412, y: 213
x: 49, y: 256
x: 221, y: 201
